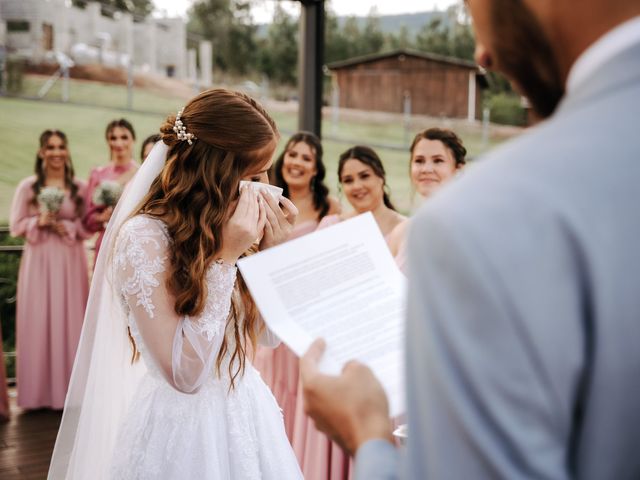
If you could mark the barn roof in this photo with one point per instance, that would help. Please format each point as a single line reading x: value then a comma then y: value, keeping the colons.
x: 395, y: 53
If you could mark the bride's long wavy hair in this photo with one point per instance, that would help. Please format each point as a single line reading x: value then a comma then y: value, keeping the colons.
x: 194, y: 195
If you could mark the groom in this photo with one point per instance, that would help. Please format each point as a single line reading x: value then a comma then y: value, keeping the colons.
x: 524, y: 302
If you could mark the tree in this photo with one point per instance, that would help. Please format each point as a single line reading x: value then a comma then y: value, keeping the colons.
x: 140, y: 9
x: 336, y: 45
x: 372, y: 38
x: 279, y: 58
x: 450, y: 35
x: 351, y: 35
x: 434, y: 38
x: 400, y: 41
x: 228, y: 26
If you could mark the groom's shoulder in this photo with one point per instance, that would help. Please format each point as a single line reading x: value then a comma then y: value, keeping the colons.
x: 500, y: 180
x: 515, y: 190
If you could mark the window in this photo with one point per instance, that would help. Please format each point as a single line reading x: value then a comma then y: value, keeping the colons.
x: 18, y: 26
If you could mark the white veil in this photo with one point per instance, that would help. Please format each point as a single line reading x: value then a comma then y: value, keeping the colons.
x: 103, y: 379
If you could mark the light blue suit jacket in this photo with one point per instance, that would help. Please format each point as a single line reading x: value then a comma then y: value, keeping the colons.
x: 523, y: 336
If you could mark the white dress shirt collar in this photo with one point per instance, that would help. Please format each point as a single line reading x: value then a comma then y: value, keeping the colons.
x: 606, y: 47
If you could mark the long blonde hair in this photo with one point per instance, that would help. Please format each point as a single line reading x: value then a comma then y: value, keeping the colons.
x: 193, y: 196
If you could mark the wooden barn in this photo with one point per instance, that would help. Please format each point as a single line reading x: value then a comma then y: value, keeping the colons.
x: 401, y: 80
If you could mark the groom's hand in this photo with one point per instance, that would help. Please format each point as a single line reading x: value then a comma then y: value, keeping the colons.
x: 351, y: 408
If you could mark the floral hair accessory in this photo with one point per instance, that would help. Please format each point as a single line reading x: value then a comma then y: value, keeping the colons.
x: 181, y: 130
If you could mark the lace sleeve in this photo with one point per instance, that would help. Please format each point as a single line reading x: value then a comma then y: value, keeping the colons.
x: 183, y: 348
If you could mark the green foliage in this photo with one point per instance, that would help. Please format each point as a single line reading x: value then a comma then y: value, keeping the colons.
x: 372, y: 38
x: 402, y: 40
x: 228, y: 26
x: 140, y: 9
x: 279, y: 52
x: 452, y: 36
x: 14, y: 75
x: 351, y: 40
x: 9, y: 265
x: 498, y: 83
x: 506, y: 108
x: 336, y: 44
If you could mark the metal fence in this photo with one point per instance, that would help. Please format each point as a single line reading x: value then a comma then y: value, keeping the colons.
x: 13, y: 250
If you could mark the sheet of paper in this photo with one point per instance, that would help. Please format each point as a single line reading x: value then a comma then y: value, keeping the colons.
x: 342, y: 284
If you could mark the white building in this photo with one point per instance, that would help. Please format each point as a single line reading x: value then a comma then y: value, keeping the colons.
x: 34, y: 27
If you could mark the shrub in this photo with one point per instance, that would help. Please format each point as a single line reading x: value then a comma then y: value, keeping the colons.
x: 9, y: 265
x: 507, y: 109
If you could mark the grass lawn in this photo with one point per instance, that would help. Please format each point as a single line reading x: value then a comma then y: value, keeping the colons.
x: 24, y: 120
x: 105, y: 94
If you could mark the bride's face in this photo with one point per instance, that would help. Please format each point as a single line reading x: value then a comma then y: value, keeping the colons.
x: 260, y: 174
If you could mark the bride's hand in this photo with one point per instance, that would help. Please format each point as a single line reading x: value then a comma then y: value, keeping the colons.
x: 243, y: 227
x: 279, y: 223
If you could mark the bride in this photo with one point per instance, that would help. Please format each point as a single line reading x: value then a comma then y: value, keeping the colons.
x: 166, y: 289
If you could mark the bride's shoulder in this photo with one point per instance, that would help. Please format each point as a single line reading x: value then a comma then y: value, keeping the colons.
x: 142, y: 223
x: 141, y: 229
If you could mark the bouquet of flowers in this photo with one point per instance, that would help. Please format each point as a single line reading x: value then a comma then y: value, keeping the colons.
x: 50, y: 199
x: 107, y: 193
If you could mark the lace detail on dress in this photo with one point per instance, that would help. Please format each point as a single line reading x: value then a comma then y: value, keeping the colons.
x: 136, y: 239
x: 241, y: 421
x: 220, y: 281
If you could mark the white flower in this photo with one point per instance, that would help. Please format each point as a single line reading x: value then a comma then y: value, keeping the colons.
x: 50, y: 199
x: 107, y: 193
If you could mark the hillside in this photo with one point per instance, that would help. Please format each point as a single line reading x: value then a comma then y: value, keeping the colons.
x: 388, y: 23
x: 393, y: 23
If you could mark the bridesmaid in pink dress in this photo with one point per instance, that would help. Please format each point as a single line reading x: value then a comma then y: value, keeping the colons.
x: 53, y: 278
x: 120, y: 136
x: 437, y: 156
x: 363, y: 181
x: 299, y: 171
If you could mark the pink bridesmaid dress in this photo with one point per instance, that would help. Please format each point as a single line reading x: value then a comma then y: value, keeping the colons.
x: 278, y: 367
x: 110, y: 172
x: 51, y: 298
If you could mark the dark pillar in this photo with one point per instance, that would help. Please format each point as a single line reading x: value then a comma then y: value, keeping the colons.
x: 310, y: 62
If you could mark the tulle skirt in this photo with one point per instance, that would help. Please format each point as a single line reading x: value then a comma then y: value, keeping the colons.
x: 212, y: 434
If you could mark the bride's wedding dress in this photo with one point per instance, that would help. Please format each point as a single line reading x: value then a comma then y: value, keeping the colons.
x: 184, y: 421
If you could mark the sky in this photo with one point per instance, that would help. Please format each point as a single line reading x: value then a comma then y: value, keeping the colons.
x: 263, y: 13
